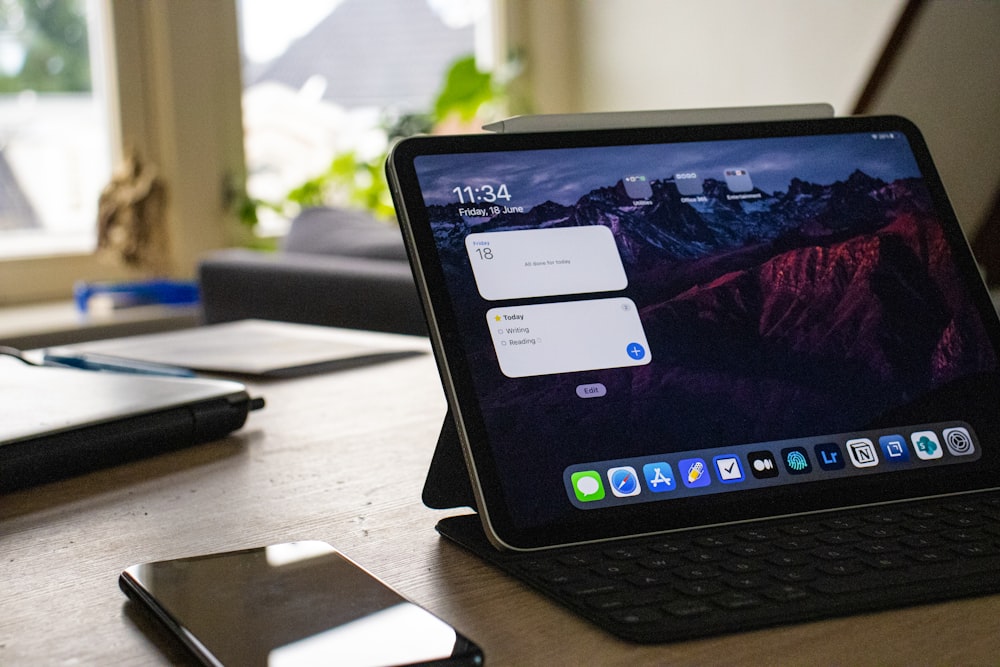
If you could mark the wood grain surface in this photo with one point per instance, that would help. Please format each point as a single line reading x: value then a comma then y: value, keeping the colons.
x: 341, y: 457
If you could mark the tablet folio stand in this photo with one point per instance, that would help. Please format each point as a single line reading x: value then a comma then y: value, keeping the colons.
x: 447, y: 485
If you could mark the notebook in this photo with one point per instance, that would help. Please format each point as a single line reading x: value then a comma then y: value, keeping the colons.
x: 58, y: 422
x: 672, y: 343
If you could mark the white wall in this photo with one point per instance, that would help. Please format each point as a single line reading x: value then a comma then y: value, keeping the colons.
x: 677, y: 54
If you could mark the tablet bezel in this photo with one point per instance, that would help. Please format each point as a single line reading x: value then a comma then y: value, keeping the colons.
x: 616, y: 522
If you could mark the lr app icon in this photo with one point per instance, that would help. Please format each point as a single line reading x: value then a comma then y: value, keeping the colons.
x: 587, y: 486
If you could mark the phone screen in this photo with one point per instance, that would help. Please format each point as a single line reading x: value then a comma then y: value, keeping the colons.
x: 298, y: 603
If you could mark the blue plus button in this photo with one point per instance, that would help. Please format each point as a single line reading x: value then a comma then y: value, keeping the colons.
x: 635, y: 351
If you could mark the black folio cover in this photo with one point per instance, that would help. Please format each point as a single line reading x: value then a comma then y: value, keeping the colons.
x: 447, y: 485
x: 61, y: 455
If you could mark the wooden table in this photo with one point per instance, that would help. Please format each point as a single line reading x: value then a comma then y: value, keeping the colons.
x: 341, y: 457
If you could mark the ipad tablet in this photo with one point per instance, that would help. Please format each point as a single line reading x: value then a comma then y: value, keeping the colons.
x: 646, y: 330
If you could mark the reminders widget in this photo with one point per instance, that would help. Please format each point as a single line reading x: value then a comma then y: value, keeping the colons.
x: 566, y: 337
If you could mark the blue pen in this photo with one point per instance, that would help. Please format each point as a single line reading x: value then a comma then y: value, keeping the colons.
x: 100, y: 362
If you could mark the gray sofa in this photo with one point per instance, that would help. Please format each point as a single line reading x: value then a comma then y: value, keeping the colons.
x: 335, y: 268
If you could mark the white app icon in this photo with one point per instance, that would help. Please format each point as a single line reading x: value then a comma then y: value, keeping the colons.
x: 624, y: 481
x: 729, y: 469
x: 927, y: 445
x: 959, y: 441
x: 862, y: 453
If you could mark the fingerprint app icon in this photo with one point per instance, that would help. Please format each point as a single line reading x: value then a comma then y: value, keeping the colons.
x: 796, y: 460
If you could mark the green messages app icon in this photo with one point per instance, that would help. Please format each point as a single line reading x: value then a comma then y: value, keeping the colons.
x: 587, y: 485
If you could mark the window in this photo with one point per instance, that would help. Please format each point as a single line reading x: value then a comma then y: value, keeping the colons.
x: 167, y: 72
x: 54, y: 149
x: 326, y: 79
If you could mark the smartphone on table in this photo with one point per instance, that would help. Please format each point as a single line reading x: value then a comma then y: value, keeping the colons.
x: 297, y: 603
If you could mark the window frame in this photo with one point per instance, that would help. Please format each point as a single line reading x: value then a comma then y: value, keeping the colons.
x: 173, y: 93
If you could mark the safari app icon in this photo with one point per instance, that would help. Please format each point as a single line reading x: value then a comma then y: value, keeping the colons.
x: 624, y: 482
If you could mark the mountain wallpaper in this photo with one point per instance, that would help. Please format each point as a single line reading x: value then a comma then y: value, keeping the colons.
x: 827, y: 303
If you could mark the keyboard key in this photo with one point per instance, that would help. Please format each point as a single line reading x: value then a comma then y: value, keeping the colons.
x: 750, y: 550
x: 882, y: 532
x: 713, y: 541
x: 658, y: 563
x: 868, y: 558
x: 595, y: 587
x: 842, y: 568
x: 696, y: 572
x: 838, y: 538
x: 736, y: 600
x: 932, y: 556
x: 789, y: 559
x: 701, y: 556
x: 843, y: 523
x: 877, y: 548
x: 648, y: 579
x: 686, y: 608
x: 794, y: 576
x: 699, y: 588
x: 976, y: 549
x: 638, y: 616
x: 756, y: 535
x: 746, y: 582
x: 613, y: 569
x: 742, y: 566
x: 785, y: 593
x: 795, y: 544
x: 625, y: 553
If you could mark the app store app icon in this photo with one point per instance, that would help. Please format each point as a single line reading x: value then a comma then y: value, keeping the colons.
x: 659, y: 477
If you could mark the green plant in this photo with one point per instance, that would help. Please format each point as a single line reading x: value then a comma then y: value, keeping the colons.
x: 353, y: 181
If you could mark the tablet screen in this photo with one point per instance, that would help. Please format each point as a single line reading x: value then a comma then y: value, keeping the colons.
x: 646, y: 330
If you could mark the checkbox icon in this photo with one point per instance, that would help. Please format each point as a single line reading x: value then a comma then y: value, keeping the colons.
x: 728, y: 468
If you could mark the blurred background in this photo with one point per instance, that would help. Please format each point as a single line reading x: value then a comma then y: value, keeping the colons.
x: 249, y: 110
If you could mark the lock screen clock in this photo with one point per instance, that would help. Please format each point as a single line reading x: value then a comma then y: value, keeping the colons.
x: 487, y: 193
